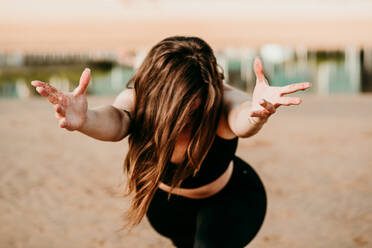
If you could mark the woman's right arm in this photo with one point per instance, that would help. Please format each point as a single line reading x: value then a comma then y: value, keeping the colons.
x: 107, y: 123
x: 110, y: 122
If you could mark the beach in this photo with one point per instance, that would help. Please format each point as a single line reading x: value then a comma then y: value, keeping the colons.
x: 59, y: 188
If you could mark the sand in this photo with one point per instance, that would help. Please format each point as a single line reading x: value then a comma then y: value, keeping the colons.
x: 315, y: 161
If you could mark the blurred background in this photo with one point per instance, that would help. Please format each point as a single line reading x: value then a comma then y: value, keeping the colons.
x: 315, y: 160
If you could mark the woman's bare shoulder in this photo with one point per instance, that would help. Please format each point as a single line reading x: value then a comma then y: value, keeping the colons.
x: 125, y: 100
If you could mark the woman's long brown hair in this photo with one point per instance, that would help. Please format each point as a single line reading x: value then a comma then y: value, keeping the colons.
x: 176, y: 74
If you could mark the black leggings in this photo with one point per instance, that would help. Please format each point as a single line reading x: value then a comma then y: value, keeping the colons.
x: 230, y: 218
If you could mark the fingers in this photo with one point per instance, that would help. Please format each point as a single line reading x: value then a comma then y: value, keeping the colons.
x: 268, y: 106
x: 60, y: 110
x: 83, y: 84
x: 258, y: 70
x: 60, y: 115
x: 48, y: 87
x: 46, y: 90
x: 268, y: 109
x: 52, y: 98
x: 294, y: 87
x: 260, y: 113
x: 62, y: 123
x: 42, y: 91
x: 288, y: 101
x: 55, y: 97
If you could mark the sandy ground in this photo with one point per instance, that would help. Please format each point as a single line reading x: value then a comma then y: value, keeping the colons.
x: 315, y: 160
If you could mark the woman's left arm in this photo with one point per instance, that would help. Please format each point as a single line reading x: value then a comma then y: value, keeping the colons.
x: 246, y: 115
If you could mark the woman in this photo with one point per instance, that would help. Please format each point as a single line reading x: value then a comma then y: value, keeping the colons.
x: 183, y: 125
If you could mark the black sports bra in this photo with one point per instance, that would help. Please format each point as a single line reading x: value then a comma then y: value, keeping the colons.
x: 214, y: 165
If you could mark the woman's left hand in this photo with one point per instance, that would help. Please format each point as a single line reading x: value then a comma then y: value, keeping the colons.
x: 266, y: 99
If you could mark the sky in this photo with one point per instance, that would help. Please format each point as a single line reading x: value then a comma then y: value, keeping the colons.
x: 77, y: 25
x: 39, y: 10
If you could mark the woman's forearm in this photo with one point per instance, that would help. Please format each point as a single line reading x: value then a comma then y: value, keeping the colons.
x: 105, y: 123
x: 243, y: 124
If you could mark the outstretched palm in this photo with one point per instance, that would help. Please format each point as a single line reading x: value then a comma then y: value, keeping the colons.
x: 266, y: 99
x: 71, y: 107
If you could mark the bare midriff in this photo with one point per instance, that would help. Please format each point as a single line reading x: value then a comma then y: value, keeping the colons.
x: 205, y: 190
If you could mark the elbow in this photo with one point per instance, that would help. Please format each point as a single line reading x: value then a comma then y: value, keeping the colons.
x: 117, y: 139
x: 243, y: 132
x: 121, y: 135
x: 106, y: 139
x: 113, y: 138
x: 247, y: 135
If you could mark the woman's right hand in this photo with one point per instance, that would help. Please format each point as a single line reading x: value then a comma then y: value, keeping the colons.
x: 71, y: 107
